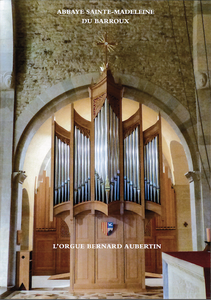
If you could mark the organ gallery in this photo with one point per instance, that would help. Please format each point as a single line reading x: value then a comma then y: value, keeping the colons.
x: 106, y: 181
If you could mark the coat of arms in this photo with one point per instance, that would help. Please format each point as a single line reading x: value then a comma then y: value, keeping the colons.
x: 107, y: 227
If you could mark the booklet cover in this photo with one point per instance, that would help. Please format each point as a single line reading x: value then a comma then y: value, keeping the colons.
x: 108, y: 145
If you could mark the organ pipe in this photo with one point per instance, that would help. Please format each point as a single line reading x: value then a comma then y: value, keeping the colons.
x: 132, y: 190
x: 107, y: 163
x: 106, y: 155
x: 151, y: 171
x: 61, y: 173
x: 81, y: 167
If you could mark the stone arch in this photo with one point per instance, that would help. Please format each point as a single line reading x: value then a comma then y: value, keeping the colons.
x: 71, y: 90
x: 76, y: 88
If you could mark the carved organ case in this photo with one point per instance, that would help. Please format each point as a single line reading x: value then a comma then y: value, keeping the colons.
x: 106, y: 170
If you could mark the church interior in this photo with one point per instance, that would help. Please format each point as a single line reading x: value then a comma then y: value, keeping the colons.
x: 105, y: 146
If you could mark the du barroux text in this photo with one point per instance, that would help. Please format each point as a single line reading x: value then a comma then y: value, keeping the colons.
x: 106, y: 246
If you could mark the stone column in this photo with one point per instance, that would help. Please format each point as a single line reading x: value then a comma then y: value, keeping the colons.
x: 15, y: 224
x: 6, y: 133
x: 202, y: 70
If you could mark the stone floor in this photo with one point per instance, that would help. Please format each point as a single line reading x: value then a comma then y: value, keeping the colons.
x: 43, y: 288
x: 150, y: 293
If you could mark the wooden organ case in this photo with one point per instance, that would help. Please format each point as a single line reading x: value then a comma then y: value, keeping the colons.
x: 106, y: 170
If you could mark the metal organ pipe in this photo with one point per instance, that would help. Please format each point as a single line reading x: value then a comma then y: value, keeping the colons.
x: 125, y: 171
x: 157, y: 171
x: 112, y: 154
x: 56, y: 172
x: 154, y: 169
x: 81, y: 168
x: 82, y: 186
x: 134, y: 166
x: 138, y: 165
x: 117, y: 156
x: 131, y: 167
x: 68, y: 172
x: 96, y: 157
x: 65, y: 172
x: 88, y: 162
x: 148, y: 171
x: 106, y: 155
x: 61, y: 171
x: 86, y: 170
x: 115, y: 159
x: 128, y: 168
x: 76, y: 168
x: 151, y: 172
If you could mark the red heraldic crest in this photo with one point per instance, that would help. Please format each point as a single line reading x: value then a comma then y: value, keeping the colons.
x: 107, y: 227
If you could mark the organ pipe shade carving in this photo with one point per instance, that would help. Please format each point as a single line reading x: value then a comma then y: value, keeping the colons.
x: 107, y: 181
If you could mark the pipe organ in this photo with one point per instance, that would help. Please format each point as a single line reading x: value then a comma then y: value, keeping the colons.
x: 133, y: 176
x: 106, y: 169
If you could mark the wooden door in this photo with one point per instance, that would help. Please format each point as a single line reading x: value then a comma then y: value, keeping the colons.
x: 46, y: 259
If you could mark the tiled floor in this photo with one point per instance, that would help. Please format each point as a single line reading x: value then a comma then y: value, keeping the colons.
x: 151, y: 293
x: 154, y: 290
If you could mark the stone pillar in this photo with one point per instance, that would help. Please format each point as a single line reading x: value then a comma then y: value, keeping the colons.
x: 6, y: 133
x: 202, y: 70
x: 15, y: 224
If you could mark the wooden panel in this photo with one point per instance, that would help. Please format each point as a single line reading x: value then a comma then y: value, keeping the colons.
x: 62, y: 255
x: 62, y: 260
x: 134, y: 258
x: 130, y: 124
x: 42, y: 205
x: 107, y: 265
x: 48, y: 261
x: 131, y: 228
x: 23, y: 269
x: 84, y: 270
x: 44, y: 255
x: 150, y: 264
x: 62, y: 133
x: 82, y: 224
x: 168, y: 243
x: 168, y: 219
x: 132, y: 264
x: 82, y: 265
x: 150, y: 256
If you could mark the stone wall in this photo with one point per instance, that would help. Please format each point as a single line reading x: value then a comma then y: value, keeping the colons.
x: 51, y: 47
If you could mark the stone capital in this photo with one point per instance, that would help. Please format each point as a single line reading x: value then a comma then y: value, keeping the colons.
x: 192, y: 176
